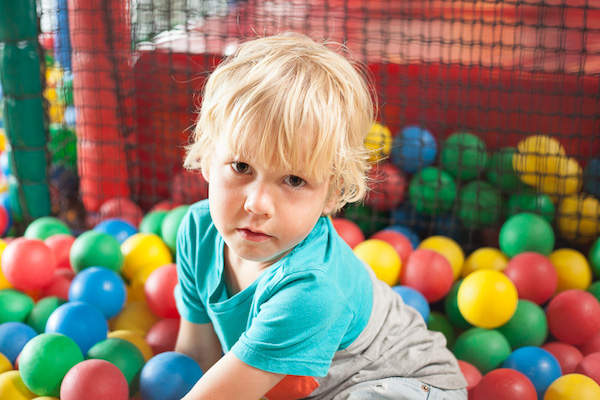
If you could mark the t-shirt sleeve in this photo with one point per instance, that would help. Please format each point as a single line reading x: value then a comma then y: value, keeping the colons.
x: 188, y: 302
x: 298, y: 328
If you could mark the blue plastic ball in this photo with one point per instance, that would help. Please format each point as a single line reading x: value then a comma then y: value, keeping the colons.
x: 5, y: 163
x: 409, y: 233
x: 168, y: 376
x: 117, y: 228
x: 13, y: 337
x: 80, y: 321
x: 591, y: 177
x: 415, y: 299
x: 100, y: 287
x: 413, y: 149
x: 539, y: 365
x: 70, y: 115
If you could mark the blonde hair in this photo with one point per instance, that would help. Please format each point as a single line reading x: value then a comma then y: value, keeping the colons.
x: 288, y: 99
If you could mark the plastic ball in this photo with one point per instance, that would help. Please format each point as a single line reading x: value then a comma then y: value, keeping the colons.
x: 590, y: 366
x: 568, y: 356
x: 408, y: 233
x: 428, y: 272
x: 387, y: 187
x: 504, y: 384
x: 5, y: 364
x: 134, y: 337
x: 526, y: 232
x: 122, y: 208
x: 573, y: 316
x: 164, y: 205
x: 14, y: 305
x: 534, y: 276
x: 479, y: 204
x: 471, y: 374
x: 527, y: 327
x: 432, y: 191
x: 60, y: 284
x: 123, y: 354
x: 594, y: 257
x: 464, y: 155
x: 188, y: 187
x: 573, y: 386
x: 96, y: 249
x: 168, y: 376
x: 38, y: 316
x: 534, y: 203
x: 163, y: 335
x: 28, y: 264
x: 94, y: 380
x: 484, y: 258
x: 594, y: 289
x: 117, y: 228
x: 44, y: 227
x: 100, y: 287
x: 591, y: 177
x: 13, y: 388
x: 80, y: 321
x: 451, y: 308
x: 449, y: 249
x: 144, y: 250
x: 486, y: 349
x: 159, y: 291
x: 500, y: 172
x: 45, y: 360
x: 378, y: 142
x: 368, y: 219
x: 439, y: 323
x: 60, y: 244
x: 170, y: 226
x: 487, y: 298
x: 537, y: 364
x: 348, y: 231
x: 592, y: 345
x: 382, y: 258
x: 536, y: 155
x: 5, y: 220
x: 13, y: 337
x: 152, y: 222
x: 563, y: 178
x: 414, y: 299
x: 578, y: 218
x: 400, y: 242
x: 134, y: 316
x: 413, y: 148
x: 572, y: 269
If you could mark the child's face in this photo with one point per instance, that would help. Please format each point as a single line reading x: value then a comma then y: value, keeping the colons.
x: 262, y: 211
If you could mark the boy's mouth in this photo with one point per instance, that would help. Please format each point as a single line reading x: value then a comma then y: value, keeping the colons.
x: 253, y: 236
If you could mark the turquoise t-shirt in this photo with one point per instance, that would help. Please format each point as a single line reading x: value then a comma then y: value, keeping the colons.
x: 301, y: 310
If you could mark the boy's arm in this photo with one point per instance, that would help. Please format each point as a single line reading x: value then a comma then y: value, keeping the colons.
x: 230, y: 378
x: 200, y: 342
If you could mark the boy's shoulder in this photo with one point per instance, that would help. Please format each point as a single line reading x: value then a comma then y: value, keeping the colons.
x: 196, y: 220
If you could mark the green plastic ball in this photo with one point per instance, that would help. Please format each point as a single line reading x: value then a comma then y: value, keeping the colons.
x: 451, y: 308
x: 464, y: 155
x: 439, y: 323
x: 480, y: 204
x: 123, y: 354
x: 170, y: 225
x: 526, y: 232
x: 44, y: 227
x: 45, y: 360
x: 38, y: 316
x: 14, y: 305
x: 432, y: 191
x: 96, y: 249
x: 500, y: 172
x: 368, y: 219
x: 535, y: 203
x: 151, y: 223
x: 62, y: 145
x: 594, y: 257
x: 527, y: 327
x: 486, y: 349
x: 595, y: 289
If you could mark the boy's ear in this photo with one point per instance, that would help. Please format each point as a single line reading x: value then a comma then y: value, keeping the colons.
x: 205, y: 174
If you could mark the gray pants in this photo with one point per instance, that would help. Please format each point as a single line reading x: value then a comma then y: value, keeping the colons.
x: 399, y: 389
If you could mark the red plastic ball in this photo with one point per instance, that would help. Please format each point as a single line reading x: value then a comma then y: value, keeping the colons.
x: 121, y: 207
x: 94, y: 379
x: 428, y: 272
x: 534, y: 276
x: 504, y: 384
x: 348, y: 231
x: 590, y: 366
x: 159, y: 291
x: 61, y: 247
x: 28, y: 264
x: 188, y: 187
x: 401, y: 243
x: 568, y: 356
x: 592, y: 345
x: 60, y: 284
x: 4, y: 220
x: 162, y: 336
x: 164, y: 205
x: 573, y: 316
x: 387, y: 187
x: 471, y: 374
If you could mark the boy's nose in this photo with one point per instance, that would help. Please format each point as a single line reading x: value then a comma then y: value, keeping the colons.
x: 259, y: 200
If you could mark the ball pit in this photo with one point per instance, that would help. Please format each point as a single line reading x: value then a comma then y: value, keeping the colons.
x: 504, y: 384
x: 400, y: 242
x: 480, y: 204
x: 13, y: 337
x: 500, y: 172
x: 573, y: 316
x: 45, y: 227
x: 537, y: 364
x: 378, y: 142
x: 573, y: 270
x: 414, y: 299
x: 449, y: 249
x: 526, y: 232
x: 387, y: 186
x: 573, y: 386
x: 123, y: 354
x: 471, y: 374
x: 484, y: 258
x: 28, y: 264
x: 134, y: 337
x: 118, y: 228
x: 536, y: 155
x: 100, y: 287
x: 60, y: 245
x: 170, y: 225
x: 122, y: 208
x: 428, y: 272
x: 382, y: 258
x: 143, y: 250
x: 158, y: 291
x: 348, y: 231
x: 162, y: 336
x: 13, y: 388
x: 486, y: 349
x: 38, y: 316
x: 568, y: 356
x: 527, y: 327
x: 594, y: 257
x: 14, y: 305
x: 438, y: 322
x: 168, y: 376
x: 451, y: 308
x: 413, y: 148
x: 151, y: 223
x: 96, y: 249
x: 432, y: 191
x: 94, y: 380
x: 531, y: 202
x: 534, y: 276
x: 464, y: 155
x: 578, y: 218
x: 590, y: 367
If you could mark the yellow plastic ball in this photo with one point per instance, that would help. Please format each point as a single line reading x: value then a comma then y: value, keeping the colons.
x: 135, y: 316
x: 449, y: 249
x: 578, y: 218
x: 572, y: 268
x: 4, y: 283
x: 484, y: 258
x: 45, y: 398
x: 13, y: 388
x: 487, y: 298
x: 136, y: 338
x: 573, y: 387
x: 564, y: 177
x: 144, y: 250
x: 382, y: 258
x: 5, y: 364
x: 535, y: 156
x: 2, y: 140
x: 378, y: 142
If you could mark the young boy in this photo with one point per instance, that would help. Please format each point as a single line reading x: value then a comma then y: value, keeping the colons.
x: 263, y: 276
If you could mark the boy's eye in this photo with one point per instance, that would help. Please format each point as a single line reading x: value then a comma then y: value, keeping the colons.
x: 240, y: 167
x: 294, y: 181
